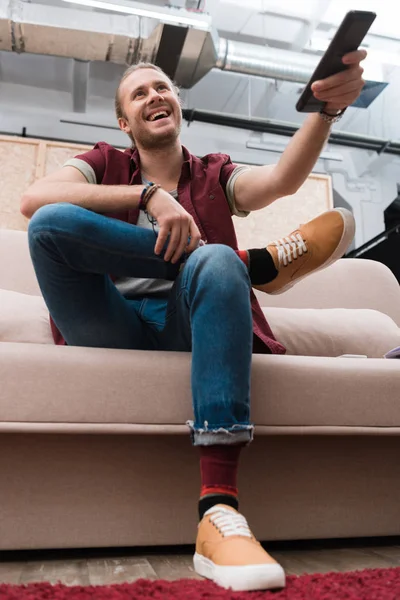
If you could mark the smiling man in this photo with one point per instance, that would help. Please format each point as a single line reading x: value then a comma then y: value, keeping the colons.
x: 137, y: 249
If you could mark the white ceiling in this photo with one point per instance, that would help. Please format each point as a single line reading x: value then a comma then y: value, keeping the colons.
x: 277, y: 23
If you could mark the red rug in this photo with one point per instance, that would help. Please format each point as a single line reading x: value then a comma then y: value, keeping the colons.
x: 371, y: 584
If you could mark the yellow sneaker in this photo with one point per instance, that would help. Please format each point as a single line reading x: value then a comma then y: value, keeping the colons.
x: 310, y: 248
x: 228, y: 553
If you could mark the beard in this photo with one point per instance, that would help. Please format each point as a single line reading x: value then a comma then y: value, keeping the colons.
x: 155, y: 141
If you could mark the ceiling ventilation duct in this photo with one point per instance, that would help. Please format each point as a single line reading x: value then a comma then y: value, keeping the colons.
x: 186, y: 53
x: 239, y: 57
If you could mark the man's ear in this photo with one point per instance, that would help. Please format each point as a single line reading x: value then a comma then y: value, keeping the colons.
x: 124, y: 126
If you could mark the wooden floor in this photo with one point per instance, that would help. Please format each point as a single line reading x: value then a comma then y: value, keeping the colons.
x: 119, y: 565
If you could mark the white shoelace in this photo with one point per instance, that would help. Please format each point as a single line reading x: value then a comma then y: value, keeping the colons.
x: 289, y: 248
x: 229, y: 522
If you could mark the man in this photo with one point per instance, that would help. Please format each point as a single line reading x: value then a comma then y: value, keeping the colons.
x: 137, y: 250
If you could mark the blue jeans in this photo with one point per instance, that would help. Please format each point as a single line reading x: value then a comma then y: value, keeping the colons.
x: 207, y: 312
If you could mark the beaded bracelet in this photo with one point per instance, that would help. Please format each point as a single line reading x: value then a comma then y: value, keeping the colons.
x: 147, y: 193
x: 146, y: 188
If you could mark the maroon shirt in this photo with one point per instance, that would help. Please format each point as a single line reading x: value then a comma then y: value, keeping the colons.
x: 201, y: 192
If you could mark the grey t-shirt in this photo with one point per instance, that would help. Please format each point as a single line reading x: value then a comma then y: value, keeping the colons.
x: 133, y: 287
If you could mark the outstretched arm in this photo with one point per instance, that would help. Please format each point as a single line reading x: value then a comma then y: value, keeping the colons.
x: 260, y: 186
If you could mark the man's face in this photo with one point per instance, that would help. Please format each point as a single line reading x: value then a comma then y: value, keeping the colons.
x: 152, y: 111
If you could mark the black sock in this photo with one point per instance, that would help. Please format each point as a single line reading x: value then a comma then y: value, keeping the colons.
x: 262, y: 267
x: 208, y: 501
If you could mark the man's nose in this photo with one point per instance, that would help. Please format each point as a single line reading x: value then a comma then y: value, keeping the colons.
x: 154, y: 96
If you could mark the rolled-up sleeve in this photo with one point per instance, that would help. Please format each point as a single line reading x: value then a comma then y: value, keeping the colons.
x: 230, y: 191
x: 91, y: 164
x: 82, y: 166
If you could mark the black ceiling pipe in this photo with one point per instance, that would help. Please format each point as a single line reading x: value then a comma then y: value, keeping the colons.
x: 340, y: 138
x: 351, y: 140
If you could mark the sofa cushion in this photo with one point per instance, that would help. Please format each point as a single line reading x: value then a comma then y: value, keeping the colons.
x: 333, y: 331
x: 105, y: 390
x: 24, y: 318
x: 303, y: 331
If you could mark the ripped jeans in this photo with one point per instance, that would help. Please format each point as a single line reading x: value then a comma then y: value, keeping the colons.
x: 207, y: 312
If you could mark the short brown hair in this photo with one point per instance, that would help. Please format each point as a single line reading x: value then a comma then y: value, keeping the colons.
x: 142, y: 65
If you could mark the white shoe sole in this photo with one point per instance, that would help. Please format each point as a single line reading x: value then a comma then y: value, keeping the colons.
x: 349, y: 231
x: 241, y: 578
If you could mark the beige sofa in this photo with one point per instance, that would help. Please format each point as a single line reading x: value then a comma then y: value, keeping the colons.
x: 85, y: 462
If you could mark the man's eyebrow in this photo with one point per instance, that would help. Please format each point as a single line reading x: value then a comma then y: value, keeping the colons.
x: 157, y: 82
x: 161, y: 81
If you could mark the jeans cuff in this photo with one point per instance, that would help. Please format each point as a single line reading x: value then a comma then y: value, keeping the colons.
x: 236, y: 434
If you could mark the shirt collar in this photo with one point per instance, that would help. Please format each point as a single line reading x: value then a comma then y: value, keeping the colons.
x: 187, y: 158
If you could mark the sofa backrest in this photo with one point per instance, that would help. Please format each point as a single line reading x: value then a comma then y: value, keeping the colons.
x: 16, y: 269
x: 349, y: 283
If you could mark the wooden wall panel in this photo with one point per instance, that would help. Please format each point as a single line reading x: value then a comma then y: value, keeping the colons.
x: 284, y: 215
x: 18, y: 169
x: 25, y: 160
x: 58, y: 154
x: 15, y: 220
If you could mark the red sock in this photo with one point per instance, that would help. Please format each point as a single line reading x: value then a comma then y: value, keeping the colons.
x: 243, y: 255
x: 218, y: 467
